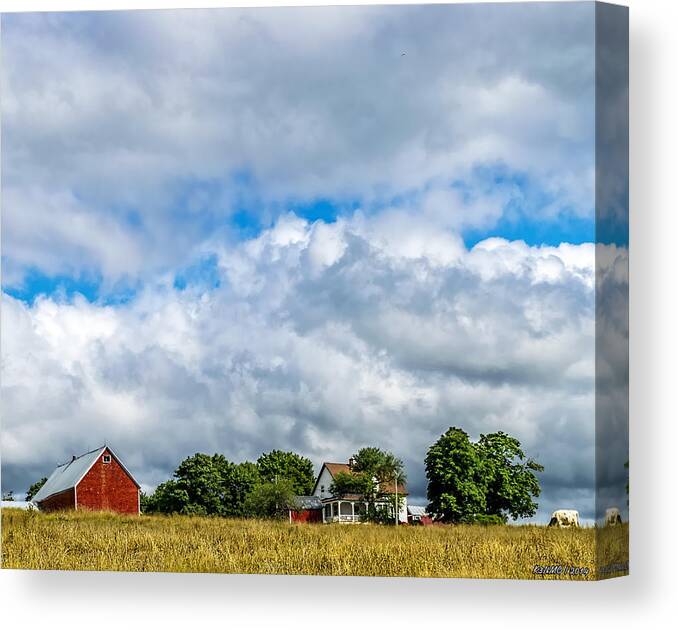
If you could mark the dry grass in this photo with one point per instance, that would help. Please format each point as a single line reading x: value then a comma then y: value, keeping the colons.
x: 109, y: 542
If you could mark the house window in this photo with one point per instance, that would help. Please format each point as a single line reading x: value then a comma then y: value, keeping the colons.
x: 107, y: 459
x: 322, y: 489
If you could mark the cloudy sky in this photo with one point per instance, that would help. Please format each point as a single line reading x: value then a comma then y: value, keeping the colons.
x: 310, y: 229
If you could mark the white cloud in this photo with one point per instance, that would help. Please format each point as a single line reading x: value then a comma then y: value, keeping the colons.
x: 321, y: 338
x: 130, y: 139
x: 132, y: 128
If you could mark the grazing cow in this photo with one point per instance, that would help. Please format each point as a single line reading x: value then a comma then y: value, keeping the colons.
x: 612, y: 516
x: 564, y: 518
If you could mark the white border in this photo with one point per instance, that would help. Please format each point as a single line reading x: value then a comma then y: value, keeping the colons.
x: 646, y: 599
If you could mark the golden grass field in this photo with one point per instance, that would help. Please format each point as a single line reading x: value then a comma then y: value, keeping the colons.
x: 110, y: 542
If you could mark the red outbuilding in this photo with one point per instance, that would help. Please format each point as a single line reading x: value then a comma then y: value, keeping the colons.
x: 306, y: 510
x: 97, y: 480
x: 417, y: 515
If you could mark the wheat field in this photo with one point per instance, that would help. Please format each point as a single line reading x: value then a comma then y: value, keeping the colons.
x: 111, y: 542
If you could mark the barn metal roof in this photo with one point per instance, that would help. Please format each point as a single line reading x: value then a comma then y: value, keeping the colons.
x: 416, y: 510
x: 308, y: 503
x: 67, y: 475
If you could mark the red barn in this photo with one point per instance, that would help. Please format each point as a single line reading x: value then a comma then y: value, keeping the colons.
x: 97, y: 480
x: 307, y: 510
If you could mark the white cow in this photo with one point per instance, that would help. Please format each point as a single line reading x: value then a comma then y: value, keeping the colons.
x: 564, y: 518
x: 612, y: 516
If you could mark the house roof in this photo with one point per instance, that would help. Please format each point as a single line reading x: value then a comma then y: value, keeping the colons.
x: 69, y: 475
x: 389, y: 486
x: 416, y: 510
x: 334, y: 468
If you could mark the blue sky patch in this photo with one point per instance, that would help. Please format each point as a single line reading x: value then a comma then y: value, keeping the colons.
x: 65, y: 287
x: 203, y: 273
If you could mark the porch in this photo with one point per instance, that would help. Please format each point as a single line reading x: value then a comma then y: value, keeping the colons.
x: 347, y: 510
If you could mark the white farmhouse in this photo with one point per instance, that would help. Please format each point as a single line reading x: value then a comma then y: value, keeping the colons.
x: 350, y: 508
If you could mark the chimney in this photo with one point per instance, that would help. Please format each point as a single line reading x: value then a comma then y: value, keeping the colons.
x: 351, y: 461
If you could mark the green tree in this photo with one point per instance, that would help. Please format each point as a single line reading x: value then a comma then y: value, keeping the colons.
x: 354, y: 483
x: 146, y: 502
x: 205, y: 484
x: 271, y: 499
x: 201, y: 477
x: 33, y: 490
x: 373, y: 474
x: 383, y: 511
x: 455, y: 478
x: 383, y: 465
x: 8, y: 496
x: 239, y: 481
x: 486, y: 481
x: 169, y: 498
x: 287, y: 465
x: 509, y: 477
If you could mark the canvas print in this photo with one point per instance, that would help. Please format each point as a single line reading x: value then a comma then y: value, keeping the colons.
x: 317, y: 290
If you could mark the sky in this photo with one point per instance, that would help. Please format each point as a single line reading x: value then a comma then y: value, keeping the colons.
x: 311, y: 229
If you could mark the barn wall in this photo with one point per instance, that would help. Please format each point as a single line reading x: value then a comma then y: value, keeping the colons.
x: 63, y: 501
x: 306, y: 516
x: 108, y: 487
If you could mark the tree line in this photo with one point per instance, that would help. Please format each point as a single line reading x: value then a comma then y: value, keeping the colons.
x: 211, y: 485
x: 485, y: 481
